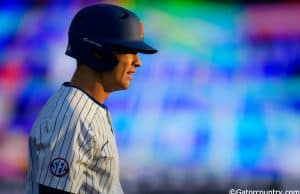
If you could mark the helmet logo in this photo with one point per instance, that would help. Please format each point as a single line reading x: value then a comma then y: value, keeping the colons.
x: 141, y: 30
x: 124, y: 16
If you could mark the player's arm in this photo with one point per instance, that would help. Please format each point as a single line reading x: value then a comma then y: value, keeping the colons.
x: 48, y: 190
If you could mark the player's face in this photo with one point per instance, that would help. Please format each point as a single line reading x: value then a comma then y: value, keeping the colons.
x: 121, y: 76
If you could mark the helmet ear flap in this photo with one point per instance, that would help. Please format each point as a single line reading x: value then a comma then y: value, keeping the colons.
x: 102, y: 59
x: 99, y: 59
x: 98, y: 54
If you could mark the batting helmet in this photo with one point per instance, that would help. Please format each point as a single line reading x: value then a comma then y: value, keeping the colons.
x: 99, y: 28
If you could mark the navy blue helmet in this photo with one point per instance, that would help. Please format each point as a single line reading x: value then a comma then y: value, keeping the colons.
x: 99, y: 29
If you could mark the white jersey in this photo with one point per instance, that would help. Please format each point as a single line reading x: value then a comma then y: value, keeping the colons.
x: 72, y: 146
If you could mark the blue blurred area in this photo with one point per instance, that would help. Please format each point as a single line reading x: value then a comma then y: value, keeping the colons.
x: 218, y: 106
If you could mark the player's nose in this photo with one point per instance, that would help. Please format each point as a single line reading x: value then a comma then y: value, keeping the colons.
x: 137, y: 61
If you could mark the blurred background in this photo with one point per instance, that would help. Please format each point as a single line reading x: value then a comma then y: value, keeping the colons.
x: 217, y: 108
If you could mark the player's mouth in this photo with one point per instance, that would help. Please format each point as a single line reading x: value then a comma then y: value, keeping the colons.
x: 130, y: 74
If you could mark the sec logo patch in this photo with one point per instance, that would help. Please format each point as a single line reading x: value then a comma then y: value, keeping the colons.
x: 59, y: 167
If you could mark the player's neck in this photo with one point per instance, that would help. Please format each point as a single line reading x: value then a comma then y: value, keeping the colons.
x: 85, y: 79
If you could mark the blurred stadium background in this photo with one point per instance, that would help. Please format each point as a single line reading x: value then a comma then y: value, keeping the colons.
x: 217, y: 108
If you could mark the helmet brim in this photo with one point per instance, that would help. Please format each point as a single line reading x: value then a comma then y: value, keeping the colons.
x: 140, y: 46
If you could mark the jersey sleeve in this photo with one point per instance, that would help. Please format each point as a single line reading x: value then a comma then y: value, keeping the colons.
x: 66, y: 157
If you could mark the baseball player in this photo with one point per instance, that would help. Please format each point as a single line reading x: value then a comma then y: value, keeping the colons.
x: 72, y: 147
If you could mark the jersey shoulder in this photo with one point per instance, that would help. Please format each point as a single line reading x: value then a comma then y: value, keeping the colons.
x: 64, y: 104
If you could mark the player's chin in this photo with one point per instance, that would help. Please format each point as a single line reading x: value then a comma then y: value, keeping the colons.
x: 126, y: 85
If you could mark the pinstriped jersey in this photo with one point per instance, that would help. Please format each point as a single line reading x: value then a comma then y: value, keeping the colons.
x: 72, y: 146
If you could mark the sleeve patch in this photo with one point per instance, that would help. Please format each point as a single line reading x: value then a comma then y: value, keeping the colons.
x: 59, y: 167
